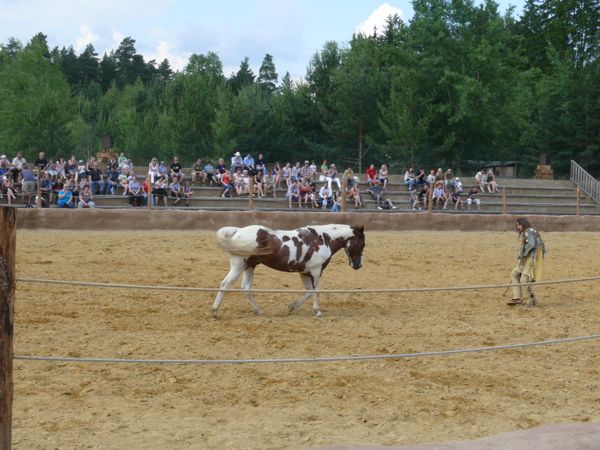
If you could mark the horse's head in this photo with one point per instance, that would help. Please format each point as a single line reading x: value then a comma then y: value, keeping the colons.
x: 354, y: 247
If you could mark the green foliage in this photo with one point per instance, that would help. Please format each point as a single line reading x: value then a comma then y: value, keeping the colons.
x: 458, y: 83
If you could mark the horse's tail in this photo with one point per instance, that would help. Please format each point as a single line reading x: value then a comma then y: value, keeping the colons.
x: 238, y: 245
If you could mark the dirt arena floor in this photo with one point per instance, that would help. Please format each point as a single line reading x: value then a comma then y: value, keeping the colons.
x: 384, y: 402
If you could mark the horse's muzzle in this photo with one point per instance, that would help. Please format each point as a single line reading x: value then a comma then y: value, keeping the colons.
x: 356, y: 265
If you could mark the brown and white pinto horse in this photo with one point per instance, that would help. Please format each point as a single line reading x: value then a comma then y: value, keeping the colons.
x: 306, y: 250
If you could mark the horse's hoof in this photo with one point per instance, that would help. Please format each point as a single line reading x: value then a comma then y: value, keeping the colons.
x: 291, y: 307
x: 258, y: 312
x: 318, y: 314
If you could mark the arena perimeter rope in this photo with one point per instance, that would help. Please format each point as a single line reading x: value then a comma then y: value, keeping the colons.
x: 302, y: 360
x: 305, y: 360
x: 302, y: 291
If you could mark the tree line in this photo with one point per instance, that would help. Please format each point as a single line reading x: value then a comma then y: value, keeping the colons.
x: 457, y: 85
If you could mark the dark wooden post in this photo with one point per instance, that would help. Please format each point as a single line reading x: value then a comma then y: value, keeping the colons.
x: 343, y: 196
x: 7, y: 297
x: 504, y: 200
x: 578, y: 192
x: 251, y: 181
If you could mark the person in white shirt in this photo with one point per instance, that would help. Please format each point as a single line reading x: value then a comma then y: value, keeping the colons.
x: 325, y: 195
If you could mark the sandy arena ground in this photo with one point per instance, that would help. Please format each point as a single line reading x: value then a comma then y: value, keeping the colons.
x: 386, y: 402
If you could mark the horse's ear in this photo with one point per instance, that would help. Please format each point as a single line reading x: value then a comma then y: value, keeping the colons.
x: 362, y: 229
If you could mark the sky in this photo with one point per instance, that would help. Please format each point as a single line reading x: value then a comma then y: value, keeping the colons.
x: 292, y: 31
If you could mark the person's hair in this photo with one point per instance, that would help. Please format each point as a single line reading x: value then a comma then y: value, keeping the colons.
x: 524, y: 223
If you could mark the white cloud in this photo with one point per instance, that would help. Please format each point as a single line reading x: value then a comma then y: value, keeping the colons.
x: 86, y: 37
x: 377, y: 19
x: 167, y: 50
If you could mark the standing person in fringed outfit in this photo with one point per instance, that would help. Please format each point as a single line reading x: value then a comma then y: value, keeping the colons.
x: 531, y: 255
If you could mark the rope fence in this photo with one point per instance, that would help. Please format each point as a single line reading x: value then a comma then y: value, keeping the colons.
x: 302, y: 291
x: 303, y: 360
x: 308, y: 360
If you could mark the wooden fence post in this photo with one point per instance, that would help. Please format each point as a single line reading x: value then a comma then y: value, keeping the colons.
x: 504, y: 200
x: 150, y: 186
x: 38, y: 201
x: 343, y: 195
x: 578, y: 192
x: 251, y: 181
x: 430, y: 198
x: 7, y: 297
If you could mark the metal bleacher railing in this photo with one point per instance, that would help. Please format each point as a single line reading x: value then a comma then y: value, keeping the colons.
x: 585, y: 181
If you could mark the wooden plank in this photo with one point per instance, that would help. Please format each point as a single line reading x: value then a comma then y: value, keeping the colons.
x: 7, y: 297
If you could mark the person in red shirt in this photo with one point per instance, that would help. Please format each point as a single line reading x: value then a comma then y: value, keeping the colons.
x: 371, y: 175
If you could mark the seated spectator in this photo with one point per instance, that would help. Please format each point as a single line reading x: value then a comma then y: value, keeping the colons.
x: 377, y: 194
x: 430, y: 180
x: 258, y: 182
x: 293, y: 193
x: 236, y: 162
x: 238, y: 181
x: 323, y: 170
x: 198, y: 173
x: 227, y: 184
x: 348, y: 175
x: 355, y: 195
x: 269, y: 183
x: 111, y: 180
x: 8, y: 189
x: 175, y: 190
x: 136, y: 195
x: 124, y: 182
x: 121, y: 160
x: 71, y: 166
x: 473, y: 198
x: 491, y: 182
x: 96, y: 178
x: 336, y: 207
x: 246, y: 182
x: 309, y: 195
x: 332, y: 175
x: 4, y: 165
x: 65, y: 198
x: 424, y: 196
x: 438, y: 194
x: 305, y: 172
x: 175, y: 172
x: 420, y: 177
x: 46, y: 188
x: 409, y: 178
x: 457, y: 200
x: 209, y: 174
x: 153, y: 170
x: 159, y: 191
x: 187, y: 192
x: 296, y: 172
x: 286, y: 174
x: 325, y: 195
x: 383, y: 176
x: 277, y: 174
x: 371, y: 175
x: 249, y: 164
x: 86, y: 199
x: 163, y: 171
x: 81, y: 169
x: 480, y: 178
x: 220, y: 170
x: 57, y: 186
x: 414, y: 198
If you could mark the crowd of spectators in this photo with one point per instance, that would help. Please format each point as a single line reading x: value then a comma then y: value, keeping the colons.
x: 74, y: 183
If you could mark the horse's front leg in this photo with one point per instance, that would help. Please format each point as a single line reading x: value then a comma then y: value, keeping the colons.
x: 247, y: 285
x: 237, y: 266
x: 307, y: 281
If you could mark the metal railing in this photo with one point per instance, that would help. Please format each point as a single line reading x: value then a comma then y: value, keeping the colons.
x: 585, y: 181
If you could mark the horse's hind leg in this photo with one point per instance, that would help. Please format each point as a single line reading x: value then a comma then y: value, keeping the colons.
x: 237, y: 266
x: 247, y: 285
x: 316, y: 281
x: 308, y: 284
